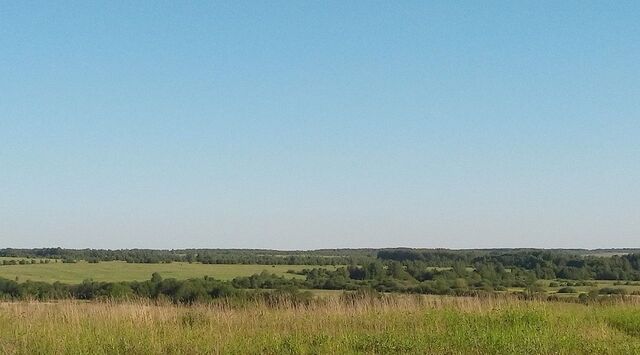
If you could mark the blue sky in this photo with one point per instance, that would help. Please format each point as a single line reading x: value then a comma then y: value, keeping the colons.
x: 298, y: 125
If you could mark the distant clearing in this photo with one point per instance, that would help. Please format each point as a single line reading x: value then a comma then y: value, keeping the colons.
x: 122, y: 271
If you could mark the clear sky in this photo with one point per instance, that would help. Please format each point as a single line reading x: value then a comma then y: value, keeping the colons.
x: 319, y: 124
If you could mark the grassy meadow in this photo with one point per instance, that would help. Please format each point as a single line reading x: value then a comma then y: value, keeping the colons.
x: 633, y: 286
x: 114, y: 271
x: 400, y: 324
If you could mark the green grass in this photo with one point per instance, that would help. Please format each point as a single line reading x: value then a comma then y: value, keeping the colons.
x: 122, y: 271
x: 398, y: 325
x: 580, y: 289
x: 599, y: 284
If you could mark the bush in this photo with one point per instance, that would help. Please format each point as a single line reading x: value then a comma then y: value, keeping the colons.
x: 612, y: 291
x: 567, y: 290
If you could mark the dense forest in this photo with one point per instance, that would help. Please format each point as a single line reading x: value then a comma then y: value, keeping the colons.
x: 205, y: 256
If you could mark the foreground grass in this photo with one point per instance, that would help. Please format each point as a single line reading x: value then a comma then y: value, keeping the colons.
x: 393, y: 325
x: 121, y: 271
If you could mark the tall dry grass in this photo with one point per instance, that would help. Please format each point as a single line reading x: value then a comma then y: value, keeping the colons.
x: 402, y: 324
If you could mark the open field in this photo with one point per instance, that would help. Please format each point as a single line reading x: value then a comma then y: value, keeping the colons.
x: 634, y: 286
x: 122, y: 271
x: 395, y: 325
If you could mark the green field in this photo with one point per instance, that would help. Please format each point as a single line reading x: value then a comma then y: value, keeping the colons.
x: 122, y: 271
x: 397, y: 325
x: 634, y: 287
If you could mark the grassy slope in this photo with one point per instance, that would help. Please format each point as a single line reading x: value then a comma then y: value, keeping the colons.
x: 406, y: 325
x: 121, y: 271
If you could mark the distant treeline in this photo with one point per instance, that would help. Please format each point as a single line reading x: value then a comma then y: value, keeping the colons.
x: 205, y: 256
x: 544, y: 264
x: 432, y: 257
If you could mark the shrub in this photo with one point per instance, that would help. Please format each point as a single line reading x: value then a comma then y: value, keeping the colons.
x: 567, y: 290
x: 612, y: 291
